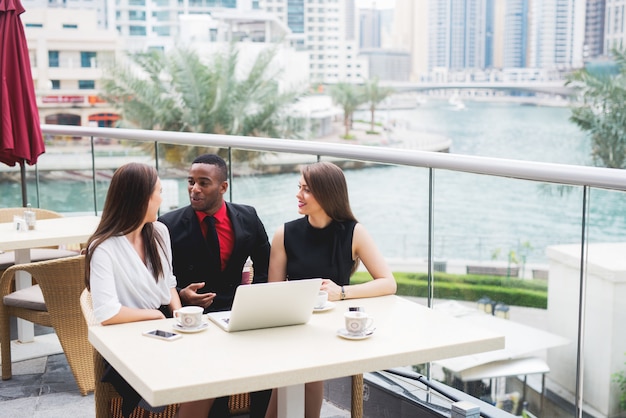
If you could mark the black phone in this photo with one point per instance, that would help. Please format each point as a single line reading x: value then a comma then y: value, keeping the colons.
x: 162, y: 335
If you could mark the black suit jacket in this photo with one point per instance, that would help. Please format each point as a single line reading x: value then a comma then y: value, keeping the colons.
x: 189, y: 252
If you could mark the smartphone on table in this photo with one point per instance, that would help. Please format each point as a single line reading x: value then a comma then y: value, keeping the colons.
x: 162, y: 335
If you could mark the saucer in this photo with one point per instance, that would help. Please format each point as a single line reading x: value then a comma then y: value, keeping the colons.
x: 327, y: 307
x: 202, y: 327
x: 342, y: 332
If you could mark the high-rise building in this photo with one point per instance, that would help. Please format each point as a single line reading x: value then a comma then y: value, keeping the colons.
x: 594, y: 29
x: 556, y: 34
x: 499, y: 26
x: 615, y: 30
x: 329, y: 32
x: 515, y: 42
x: 104, y: 13
x: 154, y: 24
x: 68, y: 55
x: 370, y: 28
x: 490, y: 28
x: 457, y: 34
x: 410, y: 33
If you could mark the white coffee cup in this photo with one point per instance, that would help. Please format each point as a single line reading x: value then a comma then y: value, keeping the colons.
x: 321, y: 300
x: 189, y: 316
x: 358, y: 322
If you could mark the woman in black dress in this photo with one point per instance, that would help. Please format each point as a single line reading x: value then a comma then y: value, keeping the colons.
x: 327, y: 242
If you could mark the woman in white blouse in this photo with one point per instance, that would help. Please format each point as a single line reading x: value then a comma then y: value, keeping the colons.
x: 129, y: 262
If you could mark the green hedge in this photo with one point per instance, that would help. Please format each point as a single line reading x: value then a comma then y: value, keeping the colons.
x: 511, y: 291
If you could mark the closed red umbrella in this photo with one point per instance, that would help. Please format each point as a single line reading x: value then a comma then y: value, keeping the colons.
x: 20, y: 131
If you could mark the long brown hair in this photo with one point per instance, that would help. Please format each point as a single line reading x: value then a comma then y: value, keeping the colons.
x: 328, y: 185
x: 124, y: 210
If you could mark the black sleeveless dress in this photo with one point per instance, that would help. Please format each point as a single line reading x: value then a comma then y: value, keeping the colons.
x: 313, y: 252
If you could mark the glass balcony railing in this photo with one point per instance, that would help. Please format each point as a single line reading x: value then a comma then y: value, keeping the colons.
x: 552, y: 225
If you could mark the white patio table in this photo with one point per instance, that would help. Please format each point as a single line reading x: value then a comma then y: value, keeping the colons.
x: 215, y: 363
x: 48, y: 232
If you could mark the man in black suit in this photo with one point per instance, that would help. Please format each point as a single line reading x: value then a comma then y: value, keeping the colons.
x: 208, y: 255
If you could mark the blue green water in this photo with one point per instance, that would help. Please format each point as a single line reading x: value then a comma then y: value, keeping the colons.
x: 476, y: 217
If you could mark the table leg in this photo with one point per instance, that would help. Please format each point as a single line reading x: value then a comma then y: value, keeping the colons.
x: 291, y: 401
x: 357, y: 397
x: 25, y: 329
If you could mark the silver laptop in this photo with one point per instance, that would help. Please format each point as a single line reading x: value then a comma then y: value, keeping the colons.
x: 267, y: 305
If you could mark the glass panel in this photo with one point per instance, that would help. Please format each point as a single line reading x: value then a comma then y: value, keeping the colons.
x: 501, y: 234
x: 604, y: 340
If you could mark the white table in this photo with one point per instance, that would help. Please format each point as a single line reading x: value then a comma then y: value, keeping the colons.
x: 216, y: 363
x: 48, y: 232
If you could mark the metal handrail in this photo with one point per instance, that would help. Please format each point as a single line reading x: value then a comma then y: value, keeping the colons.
x: 605, y: 178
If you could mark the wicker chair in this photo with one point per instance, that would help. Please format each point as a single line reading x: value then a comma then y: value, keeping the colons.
x: 60, y: 283
x: 109, y: 403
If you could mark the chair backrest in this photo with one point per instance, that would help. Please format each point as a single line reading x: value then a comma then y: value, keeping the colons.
x: 6, y: 214
x: 86, y: 306
x: 62, y: 281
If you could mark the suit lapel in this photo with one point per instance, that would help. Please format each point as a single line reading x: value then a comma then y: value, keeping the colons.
x: 193, y: 229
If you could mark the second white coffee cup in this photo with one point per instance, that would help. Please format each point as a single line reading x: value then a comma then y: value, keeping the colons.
x: 321, y: 300
x: 189, y: 316
x: 358, y: 322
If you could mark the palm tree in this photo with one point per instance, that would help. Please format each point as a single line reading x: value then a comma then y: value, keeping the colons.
x: 178, y: 91
x: 601, y: 110
x: 349, y: 97
x: 374, y: 94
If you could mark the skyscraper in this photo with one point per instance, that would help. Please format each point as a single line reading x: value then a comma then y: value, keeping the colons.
x: 594, y: 29
x: 410, y: 33
x: 329, y: 32
x: 515, y: 45
x: 615, y: 31
x: 556, y: 34
x: 370, y: 28
x: 457, y: 34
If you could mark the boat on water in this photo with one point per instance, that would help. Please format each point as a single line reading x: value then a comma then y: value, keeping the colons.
x: 456, y: 102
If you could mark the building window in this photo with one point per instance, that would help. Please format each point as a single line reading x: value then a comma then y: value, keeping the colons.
x: 137, y: 15
x: 162, y: 16
x: 86, y: 84
x: 33, y: 25
x: 88, y: 59
x: 55, y: 84
x: 136, y: 2
x: 53, y: 59
x: 137, y: 31
x: 70, y: 26
x: 161, y: 30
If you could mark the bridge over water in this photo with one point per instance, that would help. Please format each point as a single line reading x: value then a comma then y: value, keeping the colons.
x: 557, y: 87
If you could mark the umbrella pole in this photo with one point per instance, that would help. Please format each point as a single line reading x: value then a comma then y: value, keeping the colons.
x: 23, y: 178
